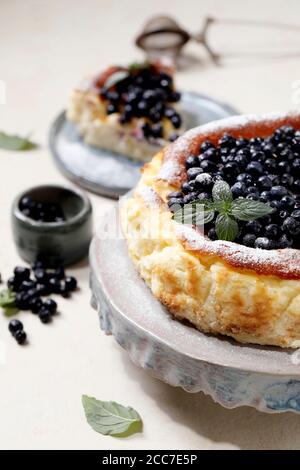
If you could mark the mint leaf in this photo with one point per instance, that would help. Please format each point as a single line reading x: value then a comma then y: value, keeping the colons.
x: 137, y: 66
x: 221, y: 193
x: 226, y: 227
x: 195, y: 213
x: 14, y: 142
x: 247, y: 209
x: 111, y: 418
x: 10, y: 311
x: 7, y: 298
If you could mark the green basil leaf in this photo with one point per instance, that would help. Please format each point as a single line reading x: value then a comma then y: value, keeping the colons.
x: 226, y: 227
x: 7, y: 298
x: 247, y: 209
x: 115, y: 78
x: 221, y: 193
x: 14, y: 142
x: 111, y: 418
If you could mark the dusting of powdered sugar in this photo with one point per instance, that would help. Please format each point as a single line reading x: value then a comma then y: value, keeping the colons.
x: 279, y: 262
x: 149, y: 196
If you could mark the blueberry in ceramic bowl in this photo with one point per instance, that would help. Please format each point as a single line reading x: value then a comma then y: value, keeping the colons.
x: 52, y: 222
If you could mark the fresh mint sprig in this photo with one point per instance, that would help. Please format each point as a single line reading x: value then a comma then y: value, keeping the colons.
x: 229, y: 211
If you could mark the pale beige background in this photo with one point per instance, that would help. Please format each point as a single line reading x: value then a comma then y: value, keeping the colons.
x: 45, y: 47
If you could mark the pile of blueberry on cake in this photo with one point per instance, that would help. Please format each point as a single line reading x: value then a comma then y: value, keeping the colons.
x: 261, y: 170
x: 130, y: 110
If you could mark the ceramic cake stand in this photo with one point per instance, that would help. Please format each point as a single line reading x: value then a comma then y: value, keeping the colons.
x: 232, y: 374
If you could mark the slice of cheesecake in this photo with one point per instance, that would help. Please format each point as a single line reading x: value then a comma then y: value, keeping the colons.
x: 131, y: 110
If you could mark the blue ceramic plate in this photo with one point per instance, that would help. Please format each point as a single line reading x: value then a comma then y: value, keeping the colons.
x: 110, y: 174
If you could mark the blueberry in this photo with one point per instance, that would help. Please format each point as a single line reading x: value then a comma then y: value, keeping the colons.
x: 35, y: 304
x: 296, y: 186
x: 253, y: 196
x: 45, y: 315
x: 258, y: 156
x: 238, y: 189
x: 26, y: 203
x: 255, y: 168
x: 174, y: 96
x: 40, y: 275
x: 21, y: 337
x: 191, y: 162
x: 157, y: 130
x: 14, y: 326
x: 296, y: 214
x: 210, y: 154
x: 187, y: 187
x: 231, y: 169
x: 206, y: 145
x: 71, y: 283
x: 296, y: 166
x: 263, y: 243
x: 204, y: 181
x: 249, y: 239
x: 169, y: 112
x: 111, y: 108
x: 282, y: 215
x: 245, y: 178
x: 21, y: 273
x: 287, y: 202
x: 241, y: 143
x: 253, y: 227
x: 212, y: 234
x: 13, y: 284
x: 50, y: 305
x: 272, y: 231
x: 264, y: 183
x: 174, y: 194
x: 286, y: 155
x: 193, y: 172
x: 291, y: 226
x: 285, y: 241
x: 27, y: 285
x: 64, y: 291
x: 174, y: 204
x: 277, y: 192
x: 283, y: 167
x: 208, y: 166
x: 226, y: 141
x: 176, y: 121
x: 43, y: 289
x: 286, y: 180
x: 265, y: 196
x: 270, y: 164
x: 54, y: 284
x: 22, y: 301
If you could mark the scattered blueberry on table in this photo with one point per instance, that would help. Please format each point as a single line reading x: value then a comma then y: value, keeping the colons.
x: 30, y: 286
x: 17, y: 330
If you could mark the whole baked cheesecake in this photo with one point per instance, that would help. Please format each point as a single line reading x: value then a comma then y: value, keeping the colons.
x: 131, y: 110
x: 237, y: 273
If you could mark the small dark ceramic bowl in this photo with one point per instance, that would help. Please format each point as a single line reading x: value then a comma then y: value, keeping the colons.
x: 63, y: 242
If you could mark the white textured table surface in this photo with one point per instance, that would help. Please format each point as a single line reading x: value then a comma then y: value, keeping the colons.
x: 45, y: 47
